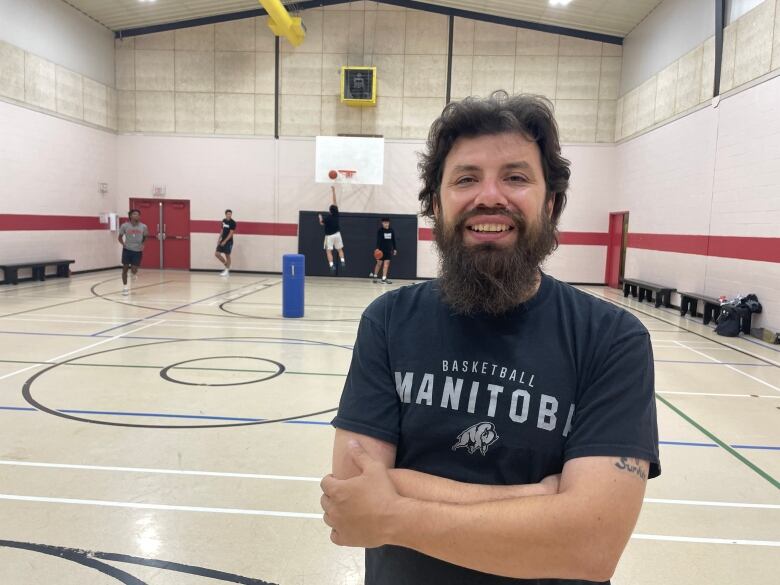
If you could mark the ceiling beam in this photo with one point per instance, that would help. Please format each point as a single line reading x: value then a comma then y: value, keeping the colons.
x: 413, y: 4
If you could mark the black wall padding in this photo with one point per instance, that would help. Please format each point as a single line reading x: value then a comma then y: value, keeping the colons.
x: 358, y: 230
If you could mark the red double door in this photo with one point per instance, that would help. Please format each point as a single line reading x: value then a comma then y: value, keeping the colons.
x: 168, y: 245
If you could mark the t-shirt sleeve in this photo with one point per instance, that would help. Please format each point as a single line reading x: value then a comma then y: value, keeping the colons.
x: 233, y: 226
x: 146, y: 231
x: 369, y: 403
x: 615, y: 414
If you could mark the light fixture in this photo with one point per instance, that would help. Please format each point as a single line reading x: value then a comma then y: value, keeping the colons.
x: 559, y: 2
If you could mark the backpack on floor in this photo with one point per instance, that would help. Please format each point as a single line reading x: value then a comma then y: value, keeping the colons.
x: 728, y: 321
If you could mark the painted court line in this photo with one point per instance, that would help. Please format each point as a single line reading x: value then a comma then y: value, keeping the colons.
x: 59, y: 357
x: 636, y: 309
x: 141, y: 506
x: 317, y: 480
x: 760, y: 381
x: 711, y: 504
x: 295, y: 421
x: 161, y: 471
x: 716, y: 394
x: 272, y: 513
x: 725, y: 446
x: 698, y: 540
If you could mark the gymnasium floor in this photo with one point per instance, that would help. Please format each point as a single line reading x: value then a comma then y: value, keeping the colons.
x: 178, y: 436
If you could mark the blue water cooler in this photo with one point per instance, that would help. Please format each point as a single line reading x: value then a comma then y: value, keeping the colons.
x: 293, y: 280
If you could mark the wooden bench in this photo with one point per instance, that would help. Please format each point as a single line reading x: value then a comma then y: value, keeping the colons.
x: 690, y: 301
x: 11, y: 271
x: 644, y: 291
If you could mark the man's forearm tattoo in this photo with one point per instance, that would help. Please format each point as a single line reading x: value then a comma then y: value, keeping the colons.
x: 633, y: 466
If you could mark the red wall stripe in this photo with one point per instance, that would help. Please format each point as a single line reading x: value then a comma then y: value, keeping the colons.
x: 669, y: 243
x: 757, y: 249
x: 566, y: 238
x: 252, y: 228
x: 583, y: 238
x: 18, y: 222
x: 738, y: 247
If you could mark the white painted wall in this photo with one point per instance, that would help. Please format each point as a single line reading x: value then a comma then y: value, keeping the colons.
x: 266, y: 181
x: 59, y: 33
x: 670, y: 31
x: 714, y: 172
x: 50, y: 166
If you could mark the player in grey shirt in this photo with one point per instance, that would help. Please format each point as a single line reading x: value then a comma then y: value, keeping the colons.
x: 132, y: 235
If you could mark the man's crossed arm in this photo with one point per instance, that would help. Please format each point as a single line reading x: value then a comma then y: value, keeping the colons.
x: 574, y: 526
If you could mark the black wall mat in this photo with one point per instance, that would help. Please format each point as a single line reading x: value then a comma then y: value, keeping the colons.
x: 358, y: 230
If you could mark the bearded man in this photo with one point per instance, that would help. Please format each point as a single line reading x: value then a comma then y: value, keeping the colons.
x: 497, y: 426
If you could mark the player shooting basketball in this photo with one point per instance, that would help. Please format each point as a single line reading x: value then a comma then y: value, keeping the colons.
x: 333, y: 234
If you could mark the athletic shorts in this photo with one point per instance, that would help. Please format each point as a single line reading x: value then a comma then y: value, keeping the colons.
x: 386, y: 255
x: 334, y: 241
x: 226, y: 249
x: 131, y: 258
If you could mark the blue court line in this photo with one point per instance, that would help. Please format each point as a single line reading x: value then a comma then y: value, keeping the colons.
x: 312, y: 422
x: 692, y: 444
x: 163, y: 415
x: 687, y: 444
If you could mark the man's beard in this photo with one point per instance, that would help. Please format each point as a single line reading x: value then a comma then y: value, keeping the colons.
x: 487, y: 278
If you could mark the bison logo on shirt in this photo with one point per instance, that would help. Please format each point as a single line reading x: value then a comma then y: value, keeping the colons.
x: 477, y: 437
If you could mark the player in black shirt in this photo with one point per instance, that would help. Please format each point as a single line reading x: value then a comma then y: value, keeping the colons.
x: 333, y: 237
x: 385, y: 243
x: 497, y: 426
x: 225, y: 242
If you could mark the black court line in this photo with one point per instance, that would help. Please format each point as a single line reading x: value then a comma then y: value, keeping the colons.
x: 150, y: 367
x: 80, y: 557
x: 178, y: 311
x: 59, y: 282
x: 304, y: 319
x: 88, y: 559
x: 165, y: 373
x: 631, y: 308
x: 247, y: 339
x: 27, y: 393
x: 175, y: 309
x: 65, y: 303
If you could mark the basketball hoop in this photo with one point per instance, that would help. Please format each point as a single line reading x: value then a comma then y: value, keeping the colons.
x: 347, y: 174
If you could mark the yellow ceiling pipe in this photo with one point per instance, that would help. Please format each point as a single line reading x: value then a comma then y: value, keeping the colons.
x: 282, y: 24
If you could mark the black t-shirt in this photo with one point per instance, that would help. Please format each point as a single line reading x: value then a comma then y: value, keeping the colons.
x: 331, y: 222
x: 227, y: 225
x: 500, y: 401
x: 385, y: 240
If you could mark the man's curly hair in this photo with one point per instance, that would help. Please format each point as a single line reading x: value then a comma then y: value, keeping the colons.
x: 530, y: 115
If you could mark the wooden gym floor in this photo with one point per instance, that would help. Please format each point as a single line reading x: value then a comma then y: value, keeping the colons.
x: 178, y: 435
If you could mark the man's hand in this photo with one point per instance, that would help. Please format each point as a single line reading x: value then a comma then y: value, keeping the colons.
x: 395, y: 252
x: 360, y: 510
